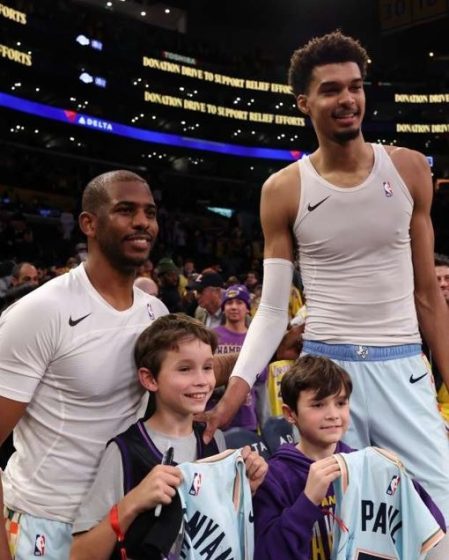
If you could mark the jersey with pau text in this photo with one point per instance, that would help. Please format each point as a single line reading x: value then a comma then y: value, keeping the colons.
x: 379, y: 512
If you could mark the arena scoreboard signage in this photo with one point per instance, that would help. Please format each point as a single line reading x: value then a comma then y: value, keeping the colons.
x: 219, y: 111
x: 208, y: 76
x: 15, y: 55
x: 12, y: 14
x: 421, y: 98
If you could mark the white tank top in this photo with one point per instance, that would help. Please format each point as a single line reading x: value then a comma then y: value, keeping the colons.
x: 355, y: 257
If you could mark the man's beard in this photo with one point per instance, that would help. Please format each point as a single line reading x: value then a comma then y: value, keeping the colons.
x: 346, y: 135
x: 120, y: 261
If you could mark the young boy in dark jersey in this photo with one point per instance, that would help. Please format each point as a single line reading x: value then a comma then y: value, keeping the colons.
x: 174, y: 357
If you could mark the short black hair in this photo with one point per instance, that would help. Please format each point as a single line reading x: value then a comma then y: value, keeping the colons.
x: 96, y: 194
x: 317, y: 373
x: 327, y: 49
x: 441, y: 260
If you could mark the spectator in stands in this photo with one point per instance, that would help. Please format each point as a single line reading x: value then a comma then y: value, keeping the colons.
x: 148, y: 285
x: 188, y: 269
x: 251, y: 280
x: 168, y: 275
x: 235, y: 307
x: 24, y: 273
x: 209, y: 289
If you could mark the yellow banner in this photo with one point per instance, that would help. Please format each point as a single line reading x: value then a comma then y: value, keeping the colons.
x: 219, y: 111
x: 423, y: 128
x: 222, y: 79
x: 421, y: 98
x: 14, y: 15
x: 15, y: 56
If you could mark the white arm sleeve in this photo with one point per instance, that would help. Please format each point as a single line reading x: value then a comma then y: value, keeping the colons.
x: 270, y: 322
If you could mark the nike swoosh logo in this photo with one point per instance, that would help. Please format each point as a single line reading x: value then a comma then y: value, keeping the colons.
x: 415, y: 379
x: 74, y: 322
x: 313, y: 207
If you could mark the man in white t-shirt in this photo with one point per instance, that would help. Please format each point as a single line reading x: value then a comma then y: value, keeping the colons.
x: 67, y: 378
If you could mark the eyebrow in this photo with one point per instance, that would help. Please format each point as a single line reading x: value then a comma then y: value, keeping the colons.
x: 330, y: 83
x: 134, y: 204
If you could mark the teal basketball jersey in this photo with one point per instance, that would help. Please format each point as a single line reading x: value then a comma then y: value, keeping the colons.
x: 217, y: 509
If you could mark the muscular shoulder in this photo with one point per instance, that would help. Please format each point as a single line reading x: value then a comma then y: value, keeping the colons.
x: 282, y: 189
x: 412, y: 167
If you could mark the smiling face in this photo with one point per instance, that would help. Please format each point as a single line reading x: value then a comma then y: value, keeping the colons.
x: 335, y: 101
x: 235, y: 311
x: 126, y: 227
x: 321, y: 423
x: 185, y: 381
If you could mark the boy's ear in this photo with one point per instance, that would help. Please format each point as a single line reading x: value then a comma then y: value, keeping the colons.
x: 147, y: 379
x: 289, y: 414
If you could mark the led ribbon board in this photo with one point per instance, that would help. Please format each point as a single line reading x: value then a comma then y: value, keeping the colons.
x: 102, y: 125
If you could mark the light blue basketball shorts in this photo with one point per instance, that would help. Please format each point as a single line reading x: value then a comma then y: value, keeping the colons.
x: 30, y: 537
x: 393, y: 405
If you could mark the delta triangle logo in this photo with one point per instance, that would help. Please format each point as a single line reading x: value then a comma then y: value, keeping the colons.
x: 71, y: 115
x: 295, y: 154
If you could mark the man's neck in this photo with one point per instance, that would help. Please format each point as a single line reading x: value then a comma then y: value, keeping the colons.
x: 115, y: 286
x: 349, y: 156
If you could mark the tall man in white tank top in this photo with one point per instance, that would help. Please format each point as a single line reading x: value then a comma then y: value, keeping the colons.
x: 359, y: 216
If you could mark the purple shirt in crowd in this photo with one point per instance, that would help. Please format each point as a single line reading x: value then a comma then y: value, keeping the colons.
x: 246, y: 417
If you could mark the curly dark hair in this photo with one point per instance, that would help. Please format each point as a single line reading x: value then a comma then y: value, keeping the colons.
x: 327, y: 49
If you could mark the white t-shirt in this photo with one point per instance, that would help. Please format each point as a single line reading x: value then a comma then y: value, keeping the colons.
x: 69, y: 354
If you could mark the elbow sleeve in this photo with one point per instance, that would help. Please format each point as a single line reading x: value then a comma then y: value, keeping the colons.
x: 269, y: 323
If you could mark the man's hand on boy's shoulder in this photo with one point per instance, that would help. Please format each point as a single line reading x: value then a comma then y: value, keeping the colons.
x: 256, y: 467
x: 321, y: 474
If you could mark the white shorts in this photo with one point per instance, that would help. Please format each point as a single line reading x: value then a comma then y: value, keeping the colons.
x: 393, y: 405
x: 31, y: 537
